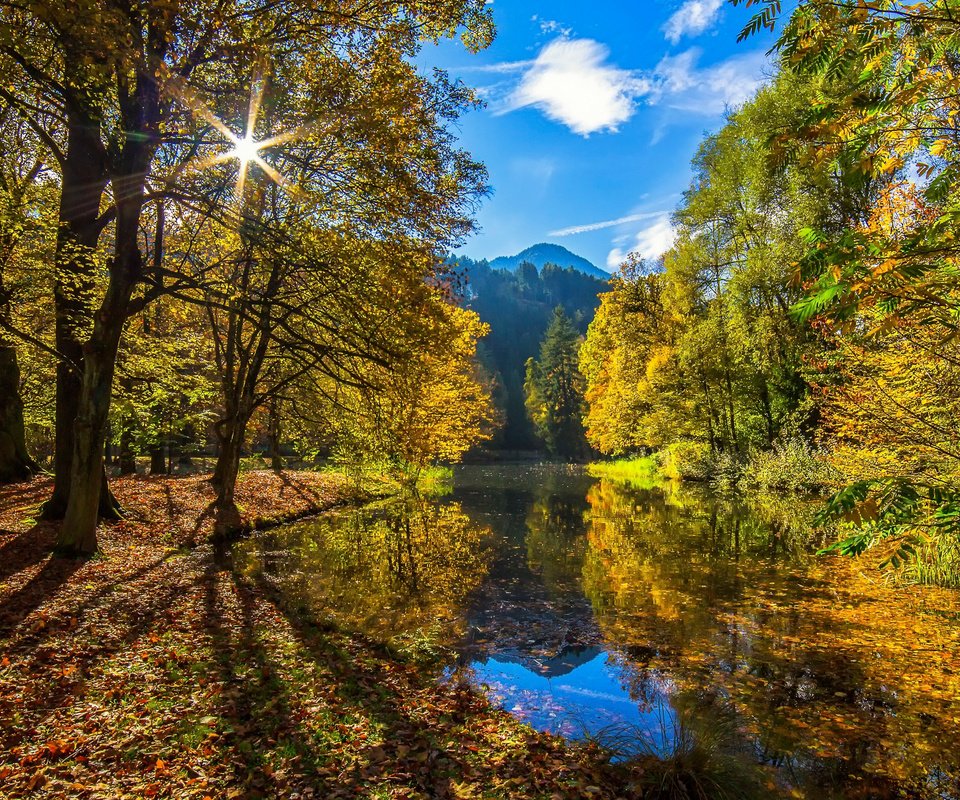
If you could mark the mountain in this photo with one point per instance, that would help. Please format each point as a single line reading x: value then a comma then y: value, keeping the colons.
x: 542, y: 254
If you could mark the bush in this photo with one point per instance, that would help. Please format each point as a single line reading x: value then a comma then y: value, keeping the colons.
x: 792, y: 465
x: 726, y: 471
x: 686, y: 461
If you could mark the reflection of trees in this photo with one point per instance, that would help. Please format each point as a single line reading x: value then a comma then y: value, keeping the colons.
x: 826, y: 670
x: 395, y: 569
x: 555, y: 539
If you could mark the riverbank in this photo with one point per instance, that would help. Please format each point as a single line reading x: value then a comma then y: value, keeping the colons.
x: 153, y: 670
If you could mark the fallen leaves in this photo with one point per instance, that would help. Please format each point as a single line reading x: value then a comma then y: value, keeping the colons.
x: 154, y: 671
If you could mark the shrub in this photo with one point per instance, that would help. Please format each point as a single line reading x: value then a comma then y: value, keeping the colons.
x: 792, y: 465
x: 687, y: 461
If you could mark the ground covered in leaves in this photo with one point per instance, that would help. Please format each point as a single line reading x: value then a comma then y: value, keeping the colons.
x: 154, y: 670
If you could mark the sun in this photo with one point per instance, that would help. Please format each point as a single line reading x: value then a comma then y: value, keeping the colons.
x: 242, y: 148
x: 246, y: 150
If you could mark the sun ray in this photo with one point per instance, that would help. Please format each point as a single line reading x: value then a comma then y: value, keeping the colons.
x: 256, y: 99
x: 244, y: 148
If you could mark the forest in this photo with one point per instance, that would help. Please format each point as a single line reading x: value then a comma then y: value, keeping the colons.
x: 241, y: 364
x: 800, y: 334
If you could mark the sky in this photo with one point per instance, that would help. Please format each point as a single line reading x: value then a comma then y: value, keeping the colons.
x: 593, y: 111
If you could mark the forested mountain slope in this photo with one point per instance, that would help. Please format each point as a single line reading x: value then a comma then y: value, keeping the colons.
x: 518, y: 305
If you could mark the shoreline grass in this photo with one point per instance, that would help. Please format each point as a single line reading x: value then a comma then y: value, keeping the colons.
x: 642, y: 471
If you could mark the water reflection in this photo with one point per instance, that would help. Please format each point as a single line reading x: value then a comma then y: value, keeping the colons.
x: 400, y: 570
x: 586, y: 606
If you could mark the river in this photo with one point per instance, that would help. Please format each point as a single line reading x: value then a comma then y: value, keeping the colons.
x: 652, y: 618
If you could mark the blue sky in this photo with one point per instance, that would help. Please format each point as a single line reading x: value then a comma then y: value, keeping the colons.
x: 594, y: 109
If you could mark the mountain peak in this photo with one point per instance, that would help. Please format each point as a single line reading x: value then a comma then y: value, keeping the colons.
x: 545, y: 253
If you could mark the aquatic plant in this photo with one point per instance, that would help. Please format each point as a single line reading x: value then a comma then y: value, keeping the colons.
x: 684, y: 757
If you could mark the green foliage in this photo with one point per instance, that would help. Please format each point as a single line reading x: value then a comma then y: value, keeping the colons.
x: 518, y: 307
x: 642, y: 472
x: 702, y: 347
x: 792, y: 465
x: 554, y: 390
x: 686, y: 460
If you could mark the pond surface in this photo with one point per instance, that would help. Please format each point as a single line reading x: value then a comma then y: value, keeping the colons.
x: 653, y: 618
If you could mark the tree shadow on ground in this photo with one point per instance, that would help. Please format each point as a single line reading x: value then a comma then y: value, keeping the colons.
x: 402, y: 741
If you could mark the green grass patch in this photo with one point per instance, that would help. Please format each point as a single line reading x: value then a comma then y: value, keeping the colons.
x: 642, y: 471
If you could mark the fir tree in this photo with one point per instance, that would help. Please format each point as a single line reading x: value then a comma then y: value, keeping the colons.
x: 554, y: 390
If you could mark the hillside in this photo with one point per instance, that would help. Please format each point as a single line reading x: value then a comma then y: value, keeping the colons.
x: 518, y: 305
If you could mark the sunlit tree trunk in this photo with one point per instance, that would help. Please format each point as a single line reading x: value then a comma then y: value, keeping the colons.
x: 84, y: 180
x: 231, y: 432
x: 78, y: 533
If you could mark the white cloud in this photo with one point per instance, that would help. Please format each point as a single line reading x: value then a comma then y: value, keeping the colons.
x: 682, y: 85
x: 571, y: 83
x: 505, y: 67
x: 649, y: 243
x: 691, y: 19
x: 551, y: 26
x: 573, y: 230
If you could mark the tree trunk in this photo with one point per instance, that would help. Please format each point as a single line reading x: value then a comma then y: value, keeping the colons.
x: 83, y: 183
x: 186, y: 441
x: 230, y: 433
x: 78, y: 534
x: 15, y: 463
x: 273, y: 436
x: 158, y: 461
x: 128, y: 459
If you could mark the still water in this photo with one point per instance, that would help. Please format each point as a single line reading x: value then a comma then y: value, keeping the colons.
x: 649, y: 618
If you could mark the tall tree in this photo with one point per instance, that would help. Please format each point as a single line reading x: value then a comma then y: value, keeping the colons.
x: 116, y: 73
x: 554, y: 390
x: 24, y: 188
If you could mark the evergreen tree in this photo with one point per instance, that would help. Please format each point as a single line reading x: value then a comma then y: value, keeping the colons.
x: 554, y: 390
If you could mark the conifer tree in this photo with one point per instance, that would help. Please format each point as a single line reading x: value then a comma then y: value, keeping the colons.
x: 554, y: 390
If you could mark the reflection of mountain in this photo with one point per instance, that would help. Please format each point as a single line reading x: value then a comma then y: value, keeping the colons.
x: 529, y: 609
x: 563, y: 663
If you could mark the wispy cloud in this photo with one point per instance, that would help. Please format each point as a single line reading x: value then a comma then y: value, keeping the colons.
x: 682, y: 85
x: 691, y: 19
x: 649, y: 242
x: 499, y: 68
x: 573, y: 230
x: 551, y: 26
x: 571, y: 82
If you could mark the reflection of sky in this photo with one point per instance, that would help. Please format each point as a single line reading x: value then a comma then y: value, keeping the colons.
x: 587, y: 700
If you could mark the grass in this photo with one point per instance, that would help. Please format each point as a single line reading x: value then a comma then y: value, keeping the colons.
x: 937, y: 564
x: 684, y: 758
x: 642, y: 471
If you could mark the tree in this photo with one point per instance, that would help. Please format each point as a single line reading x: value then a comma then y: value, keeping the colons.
x: 24, y: 223
x: 554, y: 389
x: 432, y: 406
x: 702, y: 348
x: 615, y: 358
x: 883, y: 116
x: 124, y: 81
x: 518, y: 306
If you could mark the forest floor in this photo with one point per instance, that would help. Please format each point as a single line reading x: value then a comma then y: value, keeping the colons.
x: 154, y: 670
